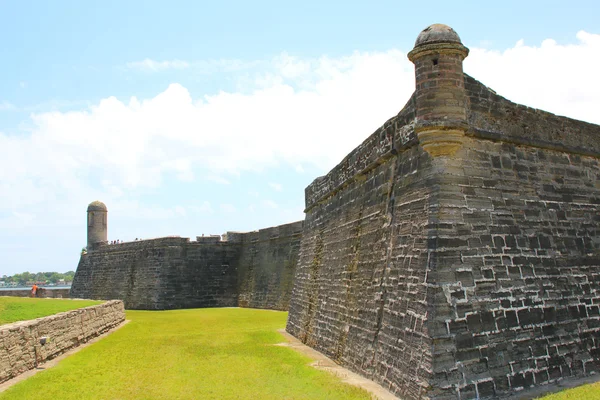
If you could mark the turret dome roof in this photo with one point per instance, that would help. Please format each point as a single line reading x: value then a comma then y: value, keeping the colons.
x: 97, y: 206
x: 437, y: 33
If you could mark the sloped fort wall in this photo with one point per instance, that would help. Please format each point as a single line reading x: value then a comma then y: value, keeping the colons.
x: 456, y: 256
x: 252, y: 269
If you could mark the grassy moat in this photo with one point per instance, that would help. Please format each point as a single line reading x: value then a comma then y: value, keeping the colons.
x: 226, y: 353
x: 188, y: 354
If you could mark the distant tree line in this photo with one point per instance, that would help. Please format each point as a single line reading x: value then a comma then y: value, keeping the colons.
x: 48, y: 277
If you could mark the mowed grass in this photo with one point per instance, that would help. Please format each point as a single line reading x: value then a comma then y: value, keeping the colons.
x: 586, y: 392
x: 13, y: 309
x: 188, y: 354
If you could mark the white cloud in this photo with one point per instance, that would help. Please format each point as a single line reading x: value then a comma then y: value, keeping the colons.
x: 217, y: 179
x: 308, y: 114
x: 134, y: 209
x: 270, y: 204
x: 179, y: 210
x: 558, y: 78
x: 149, y: 65
x: 204, y: 208
x: 292, y: 67
x: 228, y: 208
x: 276, y: 186
x: 6, y: 106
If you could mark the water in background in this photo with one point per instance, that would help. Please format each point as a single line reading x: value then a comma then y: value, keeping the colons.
x: 29, y: 287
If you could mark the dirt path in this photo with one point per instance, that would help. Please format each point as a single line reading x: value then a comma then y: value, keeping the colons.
x: 322, y: 362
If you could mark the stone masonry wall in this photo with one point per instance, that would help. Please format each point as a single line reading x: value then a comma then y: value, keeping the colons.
x: 42, y: 292
x: 516, y: 255
x: 199, y: 275
x: 516, y: 265
x: 159, y: 274
x: 266, y: 266
x: 469, y: 276
x: 129, y: 271
x: 20, y: 348
x: 250, y: 270
x: 360, y: 294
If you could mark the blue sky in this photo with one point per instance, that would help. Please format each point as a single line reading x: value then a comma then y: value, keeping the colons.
x: 201, y: 117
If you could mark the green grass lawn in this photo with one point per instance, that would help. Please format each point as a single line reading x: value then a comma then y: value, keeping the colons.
x: 587, y: 392
x: 188, y: 354
x: 14, y: 309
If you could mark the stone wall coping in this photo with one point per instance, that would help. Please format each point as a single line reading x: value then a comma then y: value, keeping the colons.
x: 289, y: 229
x: 60, y: 315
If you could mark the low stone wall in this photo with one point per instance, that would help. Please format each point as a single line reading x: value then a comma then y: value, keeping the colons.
x: 20, y: 348
x: 42, y: 292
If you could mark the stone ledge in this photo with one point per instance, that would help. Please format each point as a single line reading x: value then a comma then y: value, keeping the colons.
x: 324, y: 363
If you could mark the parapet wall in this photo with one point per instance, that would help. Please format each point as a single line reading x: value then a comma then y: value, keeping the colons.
x: 495, y: 118
x: 473, y: 275
x: 20, y: 348
x: 251, y: 269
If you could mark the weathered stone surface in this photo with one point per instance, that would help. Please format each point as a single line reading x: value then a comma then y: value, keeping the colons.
x: 20, y: 348
x: 529, y: 281
x: 97, y: 224
x: 361, y: 293
x: 266, y: 265
x: 253, y: 269
x: 471, y: 273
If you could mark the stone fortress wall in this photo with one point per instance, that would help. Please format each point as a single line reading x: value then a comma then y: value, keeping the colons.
x: 455, y: 254
x: 253, y: 269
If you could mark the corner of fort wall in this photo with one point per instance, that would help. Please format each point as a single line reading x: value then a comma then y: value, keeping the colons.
x: 475, y: 274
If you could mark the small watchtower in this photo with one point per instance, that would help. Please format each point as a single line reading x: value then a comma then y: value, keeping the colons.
x: 97, y: 225
x: 440, y: 87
